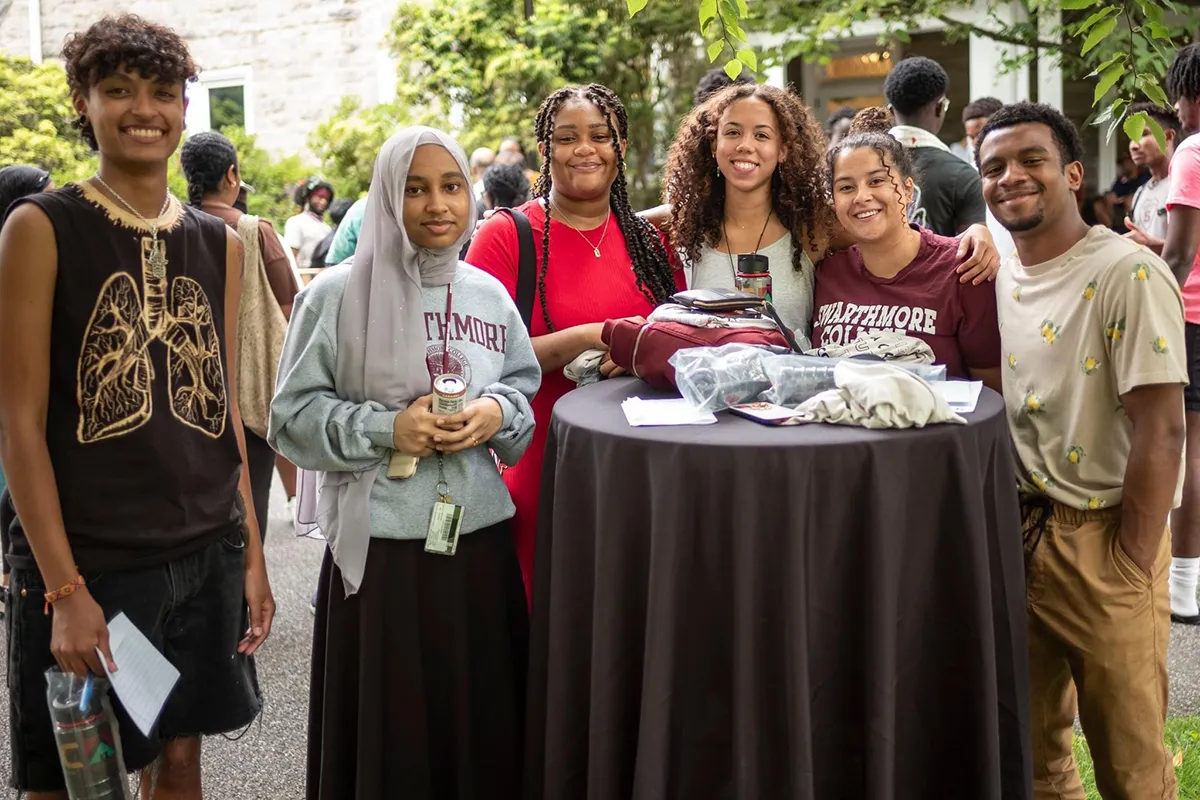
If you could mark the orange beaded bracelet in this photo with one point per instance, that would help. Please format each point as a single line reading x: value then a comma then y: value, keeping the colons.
x: 66, y: 591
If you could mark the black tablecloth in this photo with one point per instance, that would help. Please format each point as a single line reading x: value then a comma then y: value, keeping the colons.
x: 742, y: 611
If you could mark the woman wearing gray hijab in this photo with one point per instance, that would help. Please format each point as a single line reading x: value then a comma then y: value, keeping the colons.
x: 419, y: 645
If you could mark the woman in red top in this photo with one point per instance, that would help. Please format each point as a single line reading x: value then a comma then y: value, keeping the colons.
x: 898, y: 277
x: 597, y: 260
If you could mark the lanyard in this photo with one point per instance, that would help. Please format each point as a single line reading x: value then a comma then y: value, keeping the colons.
x: 446, y: 334
x: 443, y: 488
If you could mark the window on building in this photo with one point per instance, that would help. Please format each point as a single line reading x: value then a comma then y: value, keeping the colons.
x: 221, y: 99
x: 227, y: 107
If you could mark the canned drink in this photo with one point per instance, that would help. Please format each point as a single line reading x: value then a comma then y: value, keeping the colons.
x: 449, y: 395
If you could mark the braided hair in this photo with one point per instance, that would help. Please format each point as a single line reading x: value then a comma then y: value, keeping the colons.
x: 1183, y: 77
x: 651, y: 264
x: 206, y: 158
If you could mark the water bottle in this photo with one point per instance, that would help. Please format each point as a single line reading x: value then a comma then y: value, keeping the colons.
x: 753, y: 276
x: 89, y: 743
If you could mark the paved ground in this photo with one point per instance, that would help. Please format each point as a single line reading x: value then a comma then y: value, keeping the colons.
x: 268, y: 762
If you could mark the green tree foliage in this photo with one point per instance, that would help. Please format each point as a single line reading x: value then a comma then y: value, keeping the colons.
x: 346, y: 144
x: 1125, y: 45
x: 35, y: 121
x: 481, y: 69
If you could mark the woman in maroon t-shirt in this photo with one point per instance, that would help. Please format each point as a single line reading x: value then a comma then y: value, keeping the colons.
x: 897, y: 277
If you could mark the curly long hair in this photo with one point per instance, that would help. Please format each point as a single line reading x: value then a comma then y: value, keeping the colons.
x: 651, y: 264
x: 695, y: 187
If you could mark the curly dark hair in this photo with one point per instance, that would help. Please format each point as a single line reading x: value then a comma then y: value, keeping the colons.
x: 205, y: 159
x: 126, y: 41
x: 915, y: 83
x: 507, y: 185
x: 982, y: 107
x: 651, y: 264
x: 714, y: 81
x: 1070, y: 146
x: 695, y: 188
x: 1183, y: 76
x: 869, y: 129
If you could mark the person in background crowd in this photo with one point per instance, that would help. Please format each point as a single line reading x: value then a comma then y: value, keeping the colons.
x: 1093, y: 343
x: 513, y: 152
x: 243, y: 199
x: 1181, y: 251
x: 714, y: 81
x: 903, y: 275
x: 118, y: 346
x: 424, y: 651
x: 481, y: 159
x: 16, y: 181
x: 597, y: 260
x: 505, y: 186
x: 305, y: 231
x: 839, y: 125
x: 1147, y: 220
x: 345, y: 238
x: 210, y: 164
x: 947, y: 197
x: 1130, y: 178
x: 337, y: 212
x: 974, y: 115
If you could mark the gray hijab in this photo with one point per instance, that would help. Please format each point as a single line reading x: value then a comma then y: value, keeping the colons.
x: 381, y: 332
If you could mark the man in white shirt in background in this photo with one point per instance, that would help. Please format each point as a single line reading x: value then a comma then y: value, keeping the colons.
x: 308, y: 229
x: 1147, y: 220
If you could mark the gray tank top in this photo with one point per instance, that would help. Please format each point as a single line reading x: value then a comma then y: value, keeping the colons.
x: 792, y: 289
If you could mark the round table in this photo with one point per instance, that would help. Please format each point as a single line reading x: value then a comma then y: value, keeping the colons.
x: 767, y: 613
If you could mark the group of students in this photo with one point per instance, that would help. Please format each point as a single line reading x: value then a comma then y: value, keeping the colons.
x: 120, y: 339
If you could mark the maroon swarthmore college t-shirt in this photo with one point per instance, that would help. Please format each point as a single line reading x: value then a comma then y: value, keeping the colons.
x: 925, y: 300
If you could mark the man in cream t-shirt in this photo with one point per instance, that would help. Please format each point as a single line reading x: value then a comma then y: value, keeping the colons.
x: 1092, y: 340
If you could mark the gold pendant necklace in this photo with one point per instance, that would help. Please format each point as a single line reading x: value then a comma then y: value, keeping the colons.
x: 158, y: 255
x: 595, y: 247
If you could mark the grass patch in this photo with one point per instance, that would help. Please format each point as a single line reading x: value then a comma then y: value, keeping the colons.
x: 1183, y: 738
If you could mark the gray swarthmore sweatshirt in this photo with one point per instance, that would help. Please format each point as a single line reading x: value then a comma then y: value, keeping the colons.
x: 317, y: 430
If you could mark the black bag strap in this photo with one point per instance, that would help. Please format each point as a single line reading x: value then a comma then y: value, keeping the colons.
x: 526, y: 264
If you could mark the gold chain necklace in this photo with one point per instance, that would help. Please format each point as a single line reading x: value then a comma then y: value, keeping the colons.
x: 595, y: 247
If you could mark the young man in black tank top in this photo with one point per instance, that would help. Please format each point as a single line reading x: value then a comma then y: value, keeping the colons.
x: 120, y: 429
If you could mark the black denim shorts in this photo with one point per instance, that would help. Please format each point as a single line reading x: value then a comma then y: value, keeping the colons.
x: 192, y: 608
x: 1191, y: 395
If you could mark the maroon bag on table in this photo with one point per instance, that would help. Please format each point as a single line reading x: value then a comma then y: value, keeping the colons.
x: 642, y: 348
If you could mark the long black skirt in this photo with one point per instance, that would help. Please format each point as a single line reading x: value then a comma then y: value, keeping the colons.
x: 418, y: 680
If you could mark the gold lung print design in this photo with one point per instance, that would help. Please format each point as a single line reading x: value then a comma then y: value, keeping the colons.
x: 115, y: 372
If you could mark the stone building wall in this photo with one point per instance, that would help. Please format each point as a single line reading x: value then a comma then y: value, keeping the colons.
x: 301, y: 56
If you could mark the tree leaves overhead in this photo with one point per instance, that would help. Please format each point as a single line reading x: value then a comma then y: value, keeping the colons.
x: 1127, y: 44
x: 481, y: 69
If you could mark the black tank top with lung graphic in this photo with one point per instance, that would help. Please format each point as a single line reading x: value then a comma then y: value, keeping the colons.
x: 138, y: 428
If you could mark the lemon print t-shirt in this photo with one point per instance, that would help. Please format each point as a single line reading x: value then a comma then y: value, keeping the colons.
x: 1077, y: 333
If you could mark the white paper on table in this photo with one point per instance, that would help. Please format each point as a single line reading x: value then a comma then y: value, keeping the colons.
x: 639, y: 412
x: 961, y: 396
x: 144, y: 678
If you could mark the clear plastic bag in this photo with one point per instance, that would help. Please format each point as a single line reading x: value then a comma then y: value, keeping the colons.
x: 795, y: 378
x: 89, y: 742
x: 715, y: 378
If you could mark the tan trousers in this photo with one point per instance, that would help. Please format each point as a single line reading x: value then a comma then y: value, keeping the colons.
x: 1098, y: 633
